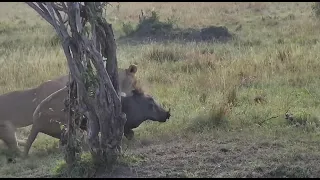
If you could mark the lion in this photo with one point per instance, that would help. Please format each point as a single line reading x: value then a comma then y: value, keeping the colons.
x: 17, y: 107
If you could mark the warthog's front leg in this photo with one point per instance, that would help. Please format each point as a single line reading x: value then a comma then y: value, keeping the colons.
x: 129, y: 134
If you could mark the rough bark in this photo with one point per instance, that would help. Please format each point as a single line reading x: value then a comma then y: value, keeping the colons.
x: 103, y: 108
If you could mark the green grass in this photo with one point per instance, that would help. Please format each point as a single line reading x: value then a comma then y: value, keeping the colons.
x: 210, y: 87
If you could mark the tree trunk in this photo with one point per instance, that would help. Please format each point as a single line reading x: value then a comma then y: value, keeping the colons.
x: 95, y: 95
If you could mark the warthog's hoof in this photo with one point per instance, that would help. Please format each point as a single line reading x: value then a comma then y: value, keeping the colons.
x: 11, y: 160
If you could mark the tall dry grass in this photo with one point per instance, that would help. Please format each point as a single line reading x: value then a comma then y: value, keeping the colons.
x: 209, y: 86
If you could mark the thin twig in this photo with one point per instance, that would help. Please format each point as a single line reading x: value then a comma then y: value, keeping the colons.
x: 260, y: 123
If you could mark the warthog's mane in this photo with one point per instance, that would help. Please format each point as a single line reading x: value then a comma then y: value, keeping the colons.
x: 138, y: 91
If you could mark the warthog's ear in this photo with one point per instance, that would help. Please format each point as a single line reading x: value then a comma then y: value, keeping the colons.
x: 132, y: 68
x: 137, y: 92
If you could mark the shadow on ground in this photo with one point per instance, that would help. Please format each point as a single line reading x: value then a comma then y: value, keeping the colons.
x: 151, y: 29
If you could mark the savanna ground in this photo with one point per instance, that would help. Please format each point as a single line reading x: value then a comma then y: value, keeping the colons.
x: 228, y: 97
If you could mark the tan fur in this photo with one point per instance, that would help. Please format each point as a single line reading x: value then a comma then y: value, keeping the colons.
x: 16, y: 108
x: 127, y: 79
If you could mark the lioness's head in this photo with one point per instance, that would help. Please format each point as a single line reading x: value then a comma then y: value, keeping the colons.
x: 127, y: 80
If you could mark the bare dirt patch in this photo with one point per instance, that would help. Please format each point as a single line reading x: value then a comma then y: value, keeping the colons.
x: 232, y: 157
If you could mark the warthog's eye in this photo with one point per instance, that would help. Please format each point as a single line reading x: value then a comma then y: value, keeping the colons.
x: 150, y: 106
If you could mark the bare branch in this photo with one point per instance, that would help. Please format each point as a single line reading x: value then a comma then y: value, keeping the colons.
x: 94, y: 36
x: 44, y: 9
x: 98, y: 63
x: 59, y: 8
x: 63, y: 4
x: 78, y: 21
x: 40, y: 11
x: 54, y: 22
x: 63, y: 29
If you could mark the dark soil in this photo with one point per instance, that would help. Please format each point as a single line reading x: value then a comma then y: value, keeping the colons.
x: 210, y: 157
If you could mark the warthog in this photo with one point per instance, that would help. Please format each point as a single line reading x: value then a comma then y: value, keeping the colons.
x: 16, y: 108
x: 138, y: 108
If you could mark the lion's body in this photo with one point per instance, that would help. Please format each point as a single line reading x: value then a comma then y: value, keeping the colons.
x: 17, y: 108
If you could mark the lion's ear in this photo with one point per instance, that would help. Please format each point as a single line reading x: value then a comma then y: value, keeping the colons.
x: 132, y: 68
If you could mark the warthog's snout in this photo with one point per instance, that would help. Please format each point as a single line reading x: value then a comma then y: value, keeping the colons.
x: 168, y: 114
